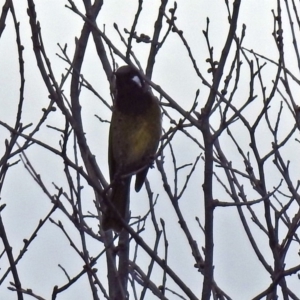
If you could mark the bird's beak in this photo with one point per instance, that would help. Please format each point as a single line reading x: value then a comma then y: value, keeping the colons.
x: 137, y: 80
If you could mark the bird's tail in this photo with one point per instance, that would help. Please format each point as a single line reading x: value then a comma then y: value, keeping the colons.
x: 120, y: 200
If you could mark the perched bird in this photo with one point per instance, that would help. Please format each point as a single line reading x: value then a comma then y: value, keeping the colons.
x: 135, y: 131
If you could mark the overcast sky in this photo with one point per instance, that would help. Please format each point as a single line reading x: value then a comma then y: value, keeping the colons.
x: 237, y: 271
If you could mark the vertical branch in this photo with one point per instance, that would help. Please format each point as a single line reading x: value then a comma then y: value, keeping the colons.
x: 209, y: 211
x: 3, y: 16
x: 14, y: 135
x: 133, y: 27
x: 208, y: 166
x: 123, y: 251
x: 9, y: 145
x: 154, y: 44
x: 8, y: 250
x: 219, y: 72
x: 114, y: 284
x: 21, y: 66
x: 85, y: 252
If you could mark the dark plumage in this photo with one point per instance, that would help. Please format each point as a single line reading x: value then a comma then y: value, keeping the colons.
x: 134, y: 135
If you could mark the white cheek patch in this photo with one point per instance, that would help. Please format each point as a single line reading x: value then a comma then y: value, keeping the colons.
x: 137, y: 80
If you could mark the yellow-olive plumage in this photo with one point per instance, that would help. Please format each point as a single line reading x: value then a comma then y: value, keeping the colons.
x: 134, y: 135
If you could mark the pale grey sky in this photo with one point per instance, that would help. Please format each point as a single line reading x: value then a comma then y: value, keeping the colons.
x: 237, y: 269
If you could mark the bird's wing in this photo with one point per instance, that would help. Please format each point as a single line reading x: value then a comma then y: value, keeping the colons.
x: 111, y: 161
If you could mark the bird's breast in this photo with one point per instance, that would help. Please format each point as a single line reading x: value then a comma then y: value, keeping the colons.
x: 134, y: 139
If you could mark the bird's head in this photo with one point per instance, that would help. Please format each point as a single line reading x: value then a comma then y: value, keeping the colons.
x: 132, y: 92
x: 128, y: 77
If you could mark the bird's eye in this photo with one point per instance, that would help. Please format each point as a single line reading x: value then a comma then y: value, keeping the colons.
x: 137, y: 80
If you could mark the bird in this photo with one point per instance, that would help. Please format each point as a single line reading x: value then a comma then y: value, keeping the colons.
x: 134, y: 135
